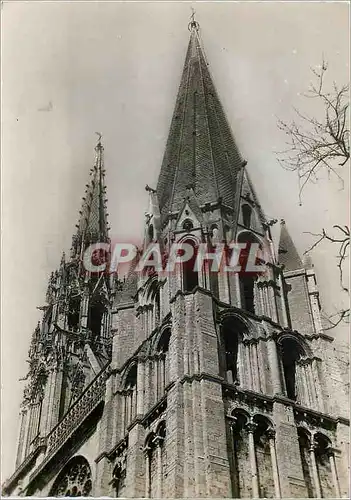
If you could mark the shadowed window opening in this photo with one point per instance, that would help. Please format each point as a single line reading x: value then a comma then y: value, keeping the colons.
x: 73, y: 314
x: 246, y: 213
x: 291, y: 352
x: 130, y: 395
x: 188, y: 225
x: 162, y: 363
x: 118, y: 479
x: 96, y: 312
x: 151, y: 232
x: 190, y: 277
x: 247, y: 279
x: 247, y: 288
x: 231, y: 334
x: 163, y: 344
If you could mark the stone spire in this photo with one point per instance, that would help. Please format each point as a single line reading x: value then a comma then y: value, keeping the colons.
x: 92, y: 226
x: 201, y: 153
x: 287, y: 252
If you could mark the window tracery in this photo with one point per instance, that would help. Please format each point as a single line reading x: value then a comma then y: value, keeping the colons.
x: 74, y: 480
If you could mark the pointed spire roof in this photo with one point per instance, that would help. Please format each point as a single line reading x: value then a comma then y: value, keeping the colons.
x: 92, y: 225
x: 287, y: 253
x: 200, y: 152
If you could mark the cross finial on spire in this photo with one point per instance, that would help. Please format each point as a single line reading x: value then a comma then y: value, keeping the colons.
x: 98, y: 146
x: 193, y: 24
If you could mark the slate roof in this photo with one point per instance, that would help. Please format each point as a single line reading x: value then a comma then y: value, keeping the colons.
x: 200, y: 152
x: 287, y: 252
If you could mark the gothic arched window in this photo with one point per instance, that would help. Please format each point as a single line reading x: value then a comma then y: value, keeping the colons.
x: 291, y: 352
x: 304, y: 445
x: 96, y: 313
x: 153, y: 299
x: 73, y: 314
x: 247, y: 278
x: 254, y: 459
x: 188, y: 225
x: 231, y: 336
x: 262, y: 437
x: 318, y: 465
x: 131, y: 395
x: 190, y: 276
x: 246, y: 213
x: 74, y: 480
x: 162, y: 362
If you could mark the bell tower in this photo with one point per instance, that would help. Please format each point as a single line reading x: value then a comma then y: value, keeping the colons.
x: 73, y: 341
x: 230, y: 388
x: 199, y: 380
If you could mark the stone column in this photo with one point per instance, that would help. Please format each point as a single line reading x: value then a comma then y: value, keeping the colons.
x: 315, y: 474
x: 250, y: 427
x: 260, y: 310
x: 140, y: 387
x: 158, y: 443
x: 84, y: 308
x: 21, y: 434
x: 319, y: 394
x: 312, y: 384
x: 241, y: 363
x: 248, y: 365
x: 334, y: 473
x: 271, y: 298
x: 123, y: 414
x: 266, y: 300
x: 307, y: 382
x: 147, y: 452
x: 301, y: 397
x: 285, y: 322
x: 271, y: 437
x: 254, y: 364
x: 274, y: 366
x: 261, y: 367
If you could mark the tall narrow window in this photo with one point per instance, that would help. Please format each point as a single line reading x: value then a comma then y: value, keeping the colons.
x: 151, y: 233
x: 73, y: 314
x: 153, y: 299
x: 231, y: 333
x: 247, y: 289
x: 241, y: 481
x: 304, y: 445
x: 325, y: 461
x: 162, y: 363
x: 291, y: 352
x: 246, y: 213
x: 131, y: 395
x: 190, y: 276
x: 318, y: 465
x: 96, y: 312
x: 263, y: 457
x: 248, y: 278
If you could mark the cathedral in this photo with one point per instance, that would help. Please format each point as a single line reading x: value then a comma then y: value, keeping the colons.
x: 191, y: 384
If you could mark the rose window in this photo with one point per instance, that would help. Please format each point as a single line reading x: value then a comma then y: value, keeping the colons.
x: 74, y: 480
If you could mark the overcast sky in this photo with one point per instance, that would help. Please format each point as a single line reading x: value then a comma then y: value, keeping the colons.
x: 70, y: 69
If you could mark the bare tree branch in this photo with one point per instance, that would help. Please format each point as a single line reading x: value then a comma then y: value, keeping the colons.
x: 314, y: 145
x: 343, y: 244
